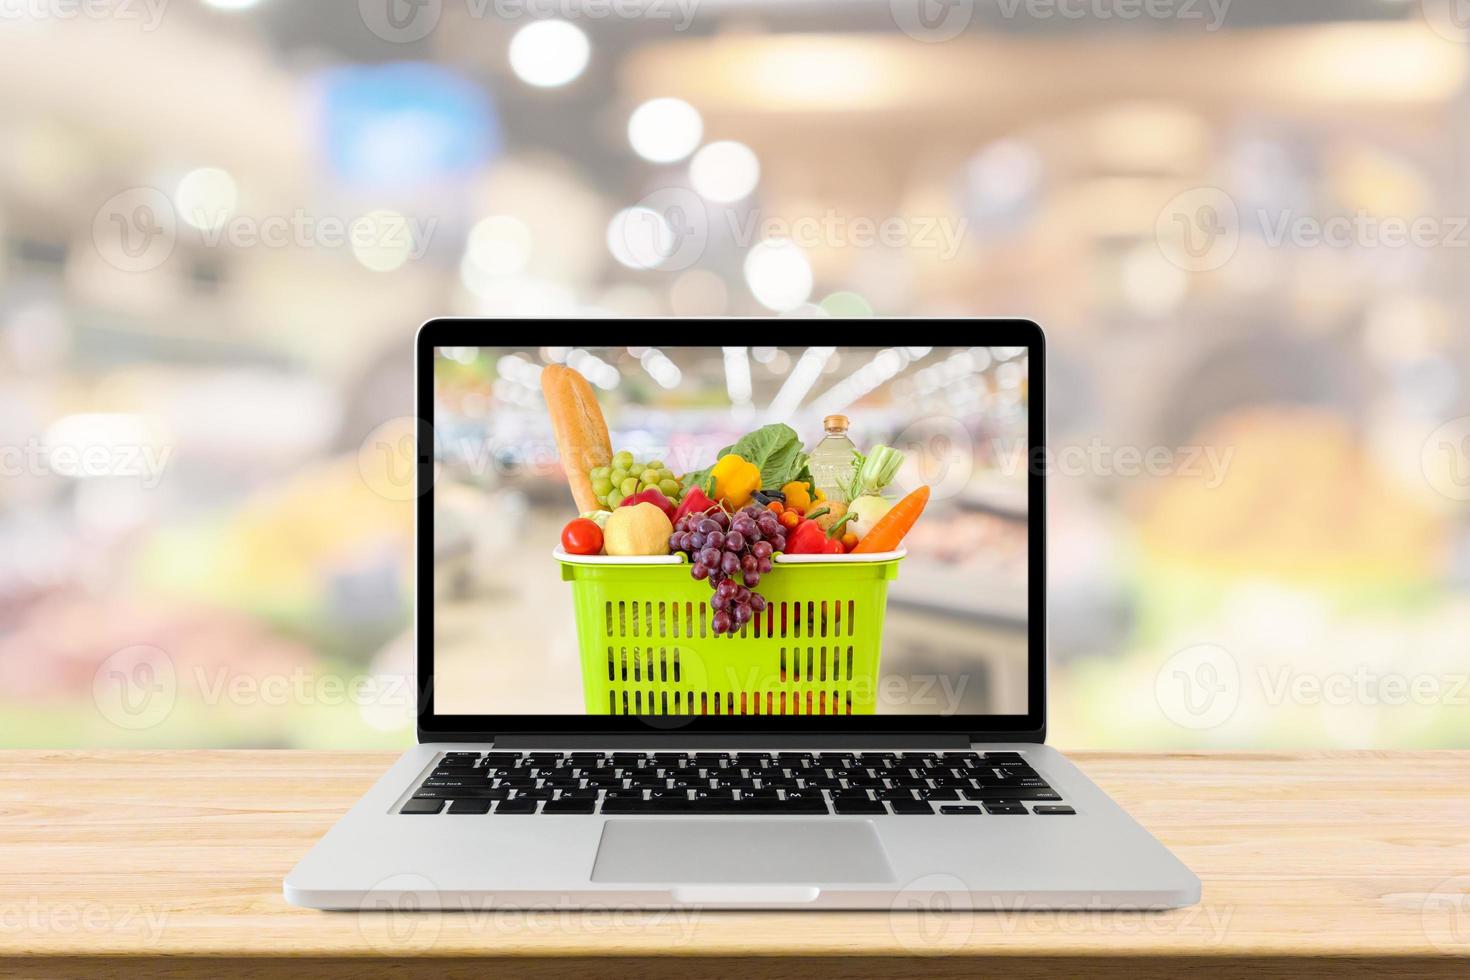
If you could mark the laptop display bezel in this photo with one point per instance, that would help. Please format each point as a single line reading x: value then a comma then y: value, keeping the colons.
x: 480, y: 332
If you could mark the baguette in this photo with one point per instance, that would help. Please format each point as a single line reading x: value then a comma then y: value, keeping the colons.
x: 581, y: 431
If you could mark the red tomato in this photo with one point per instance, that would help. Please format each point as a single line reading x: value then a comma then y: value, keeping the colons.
x: 581, y: 537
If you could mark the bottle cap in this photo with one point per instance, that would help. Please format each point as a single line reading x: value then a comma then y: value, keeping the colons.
x: 835, y: 423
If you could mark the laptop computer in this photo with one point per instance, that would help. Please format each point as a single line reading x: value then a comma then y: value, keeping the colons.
x: 793, y: 657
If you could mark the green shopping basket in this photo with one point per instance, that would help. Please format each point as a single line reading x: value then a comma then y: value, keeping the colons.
x: 646, y: 646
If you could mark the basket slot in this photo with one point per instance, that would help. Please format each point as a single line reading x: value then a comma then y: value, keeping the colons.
x: 811, y: 619
x: 610, y: 664
x: 837, y: 618
x: 822, y: 665
x: 609, y: 618
x: 648, y: 618
x: 703, y: 620
x: 849, y: 617
x: 796, y: 619
x: 849, y: 677
x: 663, y: 623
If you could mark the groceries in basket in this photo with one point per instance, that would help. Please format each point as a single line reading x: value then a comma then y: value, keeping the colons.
x: 759, y: 498
x: 802, y: 638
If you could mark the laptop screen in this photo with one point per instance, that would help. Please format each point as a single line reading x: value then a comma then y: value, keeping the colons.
x: 731, y: 531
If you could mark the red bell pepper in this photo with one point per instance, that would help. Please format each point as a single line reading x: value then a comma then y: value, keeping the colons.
x: 808, y: 538
x: 696, y: 501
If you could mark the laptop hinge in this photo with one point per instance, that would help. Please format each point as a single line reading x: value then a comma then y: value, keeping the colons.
x: 917, y: 740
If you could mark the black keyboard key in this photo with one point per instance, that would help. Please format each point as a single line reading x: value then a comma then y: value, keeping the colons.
x: 655, y: 806
x: 937, y: 793
x: 456, y: 784
x: 539, y: 793
x: 667, y: 759
x: 624, y: 794
x: 1014, y: 793
x: 421, y: 806
x: 461, y: 793
x: 960, y: 808
x: 874, y: 758
x: 627, y: 758
x: 543, y: 758
x: 828, y: 760
x: 855, y: 806
x: 891, y: 793
x: 965, y: 760
x: 502, y: 758
x: 518, y: 805
x: 910, y: 807
x: 574, y: 805
x: 752, y: 760
x: 714, y: 794
x: 608, y: 782
x: 803, y: 794
x: 794, y: 760
x: 470, y: 806
x: 1052, y: 810
x: 1005, y: 809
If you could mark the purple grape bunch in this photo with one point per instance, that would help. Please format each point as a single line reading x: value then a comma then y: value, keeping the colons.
x: 731, y: 553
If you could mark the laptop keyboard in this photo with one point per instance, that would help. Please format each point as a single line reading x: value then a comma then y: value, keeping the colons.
x: 804, y: 783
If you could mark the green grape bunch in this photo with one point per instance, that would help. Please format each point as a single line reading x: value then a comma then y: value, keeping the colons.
x: 626, y: 476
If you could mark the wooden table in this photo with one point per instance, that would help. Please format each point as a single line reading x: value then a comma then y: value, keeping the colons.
x: 170, y: 863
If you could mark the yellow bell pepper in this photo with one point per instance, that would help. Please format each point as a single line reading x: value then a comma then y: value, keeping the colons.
x: 797, y: 495
x: 736, y: 479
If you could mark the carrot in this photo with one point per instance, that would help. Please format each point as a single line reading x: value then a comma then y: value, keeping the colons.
x: 892, y: 526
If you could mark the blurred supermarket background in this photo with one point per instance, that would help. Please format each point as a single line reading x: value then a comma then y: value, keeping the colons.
x: 1242, y: 224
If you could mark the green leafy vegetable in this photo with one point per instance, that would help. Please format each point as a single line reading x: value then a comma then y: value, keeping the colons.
x: 872, y: 473
x: 775, y: 449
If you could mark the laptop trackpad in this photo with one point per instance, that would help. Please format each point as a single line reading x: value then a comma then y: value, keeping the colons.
x: 741, y: 851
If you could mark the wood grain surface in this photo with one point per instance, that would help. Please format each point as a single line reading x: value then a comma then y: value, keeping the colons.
x: 170, y: 863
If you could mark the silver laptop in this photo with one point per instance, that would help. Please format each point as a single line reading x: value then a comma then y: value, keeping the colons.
x: 733, y: 627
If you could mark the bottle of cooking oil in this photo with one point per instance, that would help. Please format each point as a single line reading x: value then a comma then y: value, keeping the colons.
x: 832, y: 460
